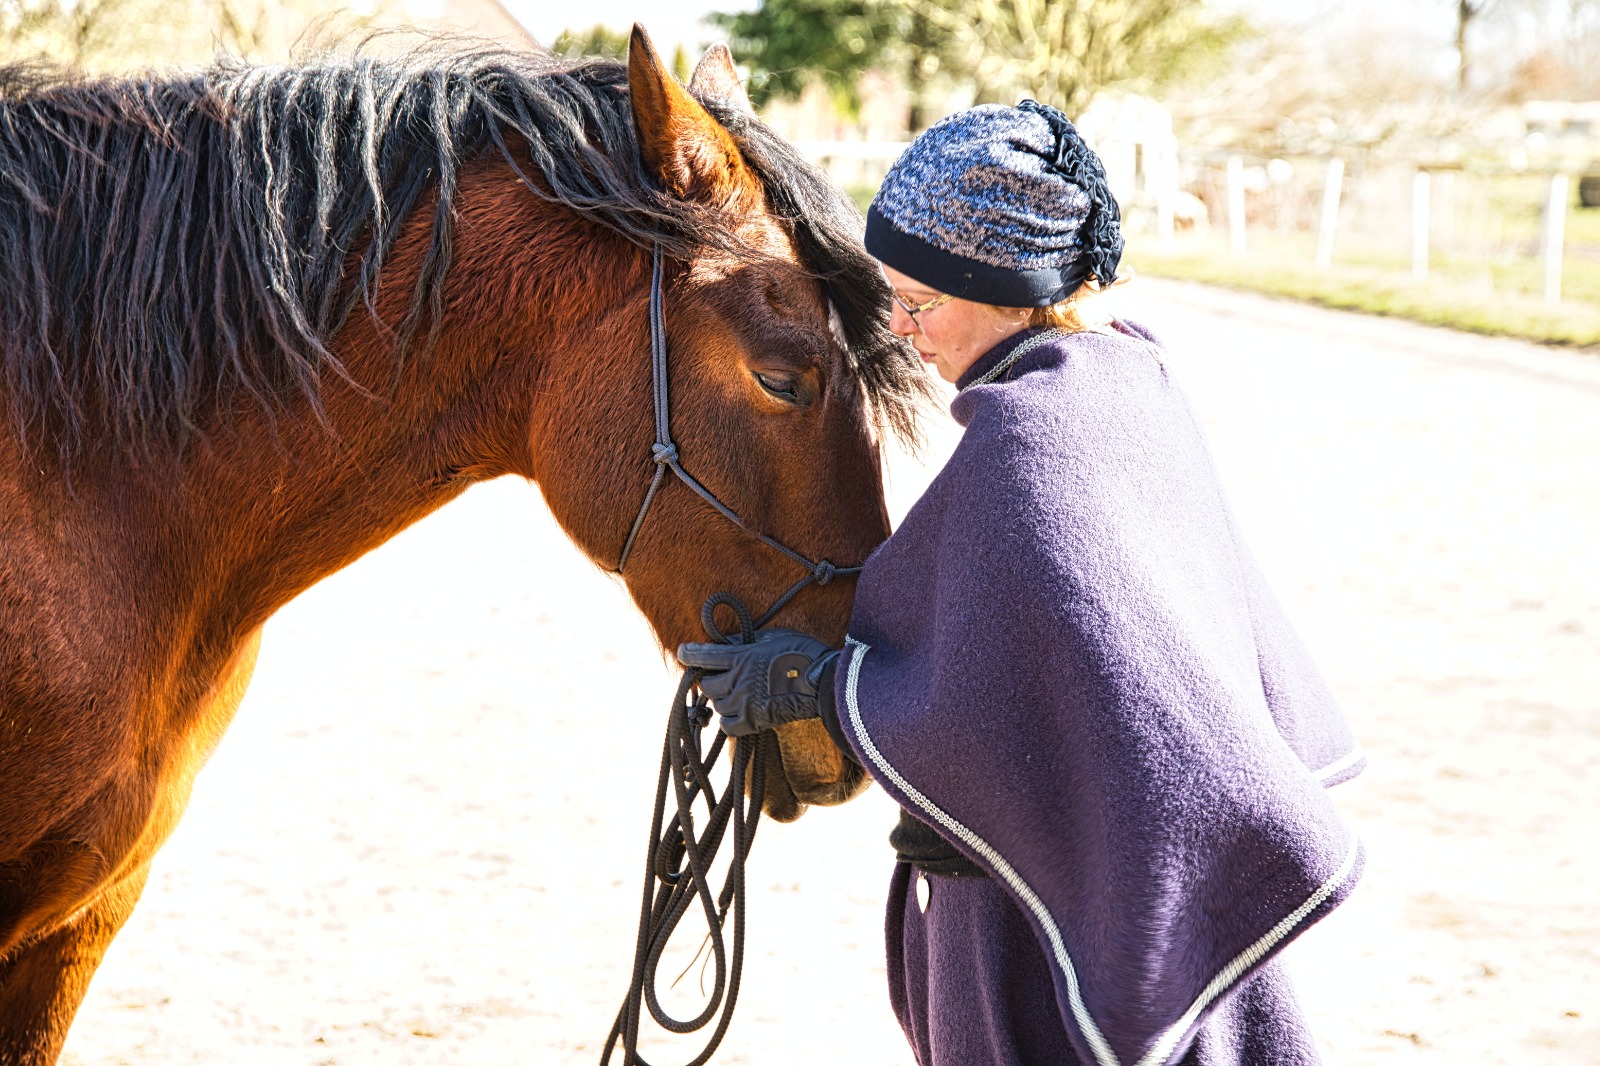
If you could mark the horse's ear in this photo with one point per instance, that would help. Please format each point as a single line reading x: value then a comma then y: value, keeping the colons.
x: 681, y: 145
x: 715, y: 78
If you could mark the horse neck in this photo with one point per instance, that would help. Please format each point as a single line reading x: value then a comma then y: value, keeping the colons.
x: 281, y: 503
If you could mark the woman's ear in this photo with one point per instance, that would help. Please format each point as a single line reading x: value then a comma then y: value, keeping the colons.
x: 680, y: 144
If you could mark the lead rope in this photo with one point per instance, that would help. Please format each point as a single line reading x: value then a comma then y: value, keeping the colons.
x: 669, y: 888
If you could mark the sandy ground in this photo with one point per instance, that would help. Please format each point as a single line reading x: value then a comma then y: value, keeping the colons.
x: 422, y: 839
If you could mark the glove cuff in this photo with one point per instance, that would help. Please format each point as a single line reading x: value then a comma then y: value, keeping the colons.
x: 822, y: 664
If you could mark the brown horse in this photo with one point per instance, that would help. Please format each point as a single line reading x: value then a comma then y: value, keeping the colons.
x: 255, y: 322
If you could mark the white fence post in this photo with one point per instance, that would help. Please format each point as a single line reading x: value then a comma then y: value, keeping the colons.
x: 1235, y: 205
x: 1555, y: 227
x: 1420, y: 216
x: 1332, y: 187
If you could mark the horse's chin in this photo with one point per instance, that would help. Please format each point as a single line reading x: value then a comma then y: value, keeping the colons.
x: 804, y: 767
x: 778, y: 799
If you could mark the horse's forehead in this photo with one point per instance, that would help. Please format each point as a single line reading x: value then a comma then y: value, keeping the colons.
x: 771, y: 238
x: 768, y: 254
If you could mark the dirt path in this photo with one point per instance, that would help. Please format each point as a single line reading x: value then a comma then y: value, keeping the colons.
x: 421, y: 841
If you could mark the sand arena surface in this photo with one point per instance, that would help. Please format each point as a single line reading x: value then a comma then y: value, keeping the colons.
x: 421, y: 841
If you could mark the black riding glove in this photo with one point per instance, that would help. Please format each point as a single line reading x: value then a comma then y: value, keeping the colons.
x: 764, y: 684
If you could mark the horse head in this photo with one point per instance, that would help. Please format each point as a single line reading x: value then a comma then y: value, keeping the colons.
x: 769, y: 409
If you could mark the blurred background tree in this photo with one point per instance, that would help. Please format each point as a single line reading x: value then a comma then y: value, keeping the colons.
x: 101, y: 36
x: 1060, y: 51
x: 90, y: 34
x: 596, y: 41
x: 1467, y: 12
x: 1063, y: 52
x: 1252, y: 74
x: 1563, y: 62
x: 607, y: 43
x: 790, y: 44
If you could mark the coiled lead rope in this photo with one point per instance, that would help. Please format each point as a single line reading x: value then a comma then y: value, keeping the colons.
x: 678, y: 859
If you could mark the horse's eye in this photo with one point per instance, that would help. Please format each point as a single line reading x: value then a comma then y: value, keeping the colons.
x: 782, y: 388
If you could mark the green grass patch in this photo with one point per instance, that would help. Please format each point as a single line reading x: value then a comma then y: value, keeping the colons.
x: 1493, y: 297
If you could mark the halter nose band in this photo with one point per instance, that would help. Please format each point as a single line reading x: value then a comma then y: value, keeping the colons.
x: 665, y: 454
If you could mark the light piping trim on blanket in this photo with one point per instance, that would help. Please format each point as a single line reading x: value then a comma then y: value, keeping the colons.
x: 1103, y: 1053
x: 1009, y: 361
x: 1340, y: 765
x: 1091, y: 1032
x: 1249, y: 957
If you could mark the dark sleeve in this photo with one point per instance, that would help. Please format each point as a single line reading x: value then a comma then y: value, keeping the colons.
x: 830, y: 712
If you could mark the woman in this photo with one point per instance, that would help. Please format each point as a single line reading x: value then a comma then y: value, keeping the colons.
x: 1110, y: 749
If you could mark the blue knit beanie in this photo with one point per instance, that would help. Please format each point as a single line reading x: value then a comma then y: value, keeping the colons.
x: 1000, y: 205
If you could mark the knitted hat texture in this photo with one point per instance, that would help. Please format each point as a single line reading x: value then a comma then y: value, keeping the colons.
x: 1001, y: 205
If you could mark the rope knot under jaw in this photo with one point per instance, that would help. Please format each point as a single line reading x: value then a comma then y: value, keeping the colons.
x: 665, y: 454
x: 824, y: 572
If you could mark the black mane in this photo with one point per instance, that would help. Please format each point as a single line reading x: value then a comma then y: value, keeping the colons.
x: 166, y: 242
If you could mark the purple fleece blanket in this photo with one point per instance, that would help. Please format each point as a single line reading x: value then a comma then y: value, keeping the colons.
x: 1066, y: 662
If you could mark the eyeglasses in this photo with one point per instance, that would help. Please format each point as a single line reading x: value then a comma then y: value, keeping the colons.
x: 914, y: 311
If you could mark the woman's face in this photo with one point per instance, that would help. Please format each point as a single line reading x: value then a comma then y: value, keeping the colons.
x: 954, y: 334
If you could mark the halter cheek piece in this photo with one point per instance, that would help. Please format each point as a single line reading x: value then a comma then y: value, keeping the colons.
x: 665, y: 454
x: 678, y: 861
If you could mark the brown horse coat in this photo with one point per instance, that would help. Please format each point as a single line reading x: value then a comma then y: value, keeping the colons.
x: 138, y: 561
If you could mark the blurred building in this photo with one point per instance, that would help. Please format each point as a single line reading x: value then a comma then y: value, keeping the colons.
x: 1561, y: 133
x: 1133, y: 137
x: 856, y: 149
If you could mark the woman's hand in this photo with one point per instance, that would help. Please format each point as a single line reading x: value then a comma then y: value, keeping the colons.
x: 764, y: 684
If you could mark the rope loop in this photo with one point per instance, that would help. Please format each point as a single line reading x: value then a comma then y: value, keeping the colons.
x: 678, y: 863
x: 665, y: 452
x: 708, y: 619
